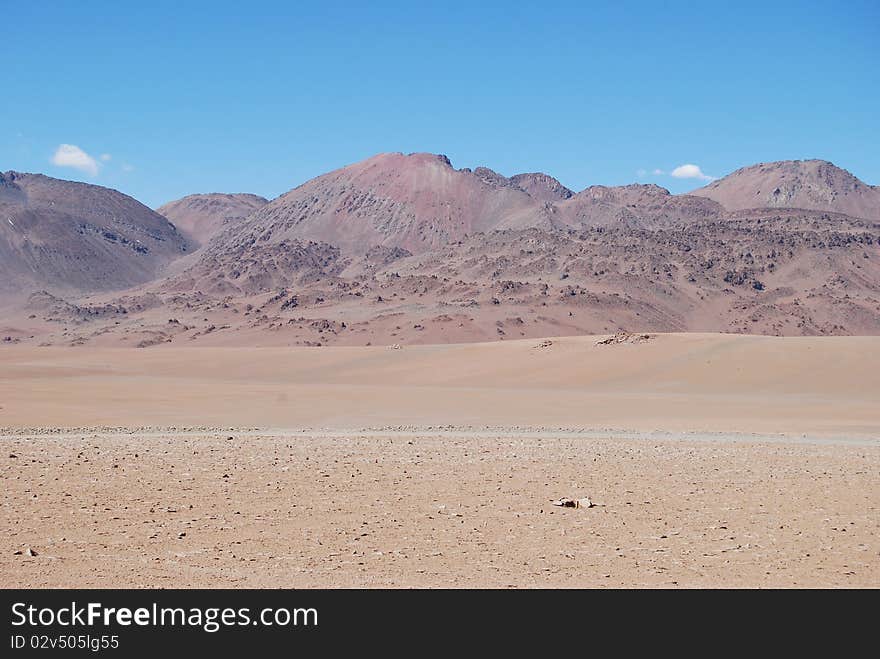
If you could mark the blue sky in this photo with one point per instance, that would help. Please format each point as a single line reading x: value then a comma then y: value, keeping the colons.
x: 183, y: 97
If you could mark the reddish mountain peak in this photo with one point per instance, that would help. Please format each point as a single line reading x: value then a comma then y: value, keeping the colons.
x: 202, y: 216
x: 398, y: 159
x: 415, y: 202
x: 631, y: 188
x: 542, y: 187
x: 491, y: 176
x: 807, y: 184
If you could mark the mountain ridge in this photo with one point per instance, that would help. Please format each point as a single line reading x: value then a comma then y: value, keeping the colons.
x: 812, y: 184
x: 201, y: 216
x: 77, y: 237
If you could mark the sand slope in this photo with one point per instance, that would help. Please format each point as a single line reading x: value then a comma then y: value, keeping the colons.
x: 700, y: 382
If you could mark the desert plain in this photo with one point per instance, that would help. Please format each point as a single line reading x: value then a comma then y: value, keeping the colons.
x: 710, y: 460
x: 356, y: 297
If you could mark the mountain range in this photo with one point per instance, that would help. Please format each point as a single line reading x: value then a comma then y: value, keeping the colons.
x: 406, y: 248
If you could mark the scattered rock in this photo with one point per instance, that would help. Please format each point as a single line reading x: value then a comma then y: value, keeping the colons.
x: 544, y: 344
x: 624, y: 337
x: 565, y: 502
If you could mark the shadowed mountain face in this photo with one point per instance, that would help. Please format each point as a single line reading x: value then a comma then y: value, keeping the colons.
x: 201, y: 216
x: 808, y: 184
x: 75, y: 238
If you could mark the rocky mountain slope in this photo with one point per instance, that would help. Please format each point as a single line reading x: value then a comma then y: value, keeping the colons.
x: 634, y: 205
x: 407, y: 249
x: 416, y: 202
x: 201, y: 216
x: 809, y: 184
x: 78, y: 238
x: 781, y: 272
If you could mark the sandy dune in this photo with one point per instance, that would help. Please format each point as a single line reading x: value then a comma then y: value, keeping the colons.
x: 671, y: 382
x: 732, y: 461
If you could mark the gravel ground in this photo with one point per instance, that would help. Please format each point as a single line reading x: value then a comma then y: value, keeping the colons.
x: 448, y: 507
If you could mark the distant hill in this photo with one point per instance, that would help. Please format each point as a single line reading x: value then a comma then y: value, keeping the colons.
x: 416, y: 202
x: 541, y: 187
x: 201, y: 216
x: 639, y: 205
x: 809, y: 184
x: 78, y: 238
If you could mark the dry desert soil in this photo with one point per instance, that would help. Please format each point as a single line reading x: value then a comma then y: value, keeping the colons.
x: 711, y: 460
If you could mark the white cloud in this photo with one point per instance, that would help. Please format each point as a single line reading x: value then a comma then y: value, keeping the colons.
x: 641, y: 173
x: 106, y: 157
x: 690, y: 171
x: 70, y: 155
x: 127, y: 168
x: 658, y: 172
